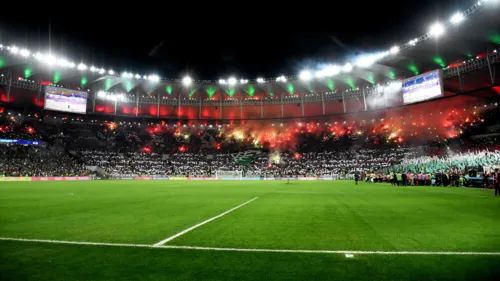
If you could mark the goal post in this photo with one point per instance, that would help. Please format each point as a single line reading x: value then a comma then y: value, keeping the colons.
x: 236, y: 175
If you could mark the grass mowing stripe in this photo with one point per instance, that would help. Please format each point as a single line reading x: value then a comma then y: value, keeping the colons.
x: 250, y: 250
x: 201, y: 223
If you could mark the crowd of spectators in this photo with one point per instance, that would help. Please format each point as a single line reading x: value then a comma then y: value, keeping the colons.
x: 264, y: 164
x: 72, y: 148
x: 20, y: 161
x: 45, y: 160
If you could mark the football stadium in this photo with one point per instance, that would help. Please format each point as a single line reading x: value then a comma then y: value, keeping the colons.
x: 384, y: 166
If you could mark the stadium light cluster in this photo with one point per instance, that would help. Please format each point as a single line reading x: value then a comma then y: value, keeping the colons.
x: 112, y: 96
x: 436, y: 30
x: 186, y: 81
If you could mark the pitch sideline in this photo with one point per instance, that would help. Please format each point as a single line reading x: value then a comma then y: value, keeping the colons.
x: 248, y: 250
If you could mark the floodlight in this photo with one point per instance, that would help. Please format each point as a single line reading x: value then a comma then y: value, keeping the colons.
x: 186, y: 81
x: 232, y: 81
x: 437, y: 29
x: 305, y: 75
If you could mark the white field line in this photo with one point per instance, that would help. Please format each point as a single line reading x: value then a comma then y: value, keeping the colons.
x: 201, y: 223
x: 75, y: 242
x: 250, y: 250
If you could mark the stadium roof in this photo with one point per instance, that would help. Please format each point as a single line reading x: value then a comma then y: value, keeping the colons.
x: 468, y: 35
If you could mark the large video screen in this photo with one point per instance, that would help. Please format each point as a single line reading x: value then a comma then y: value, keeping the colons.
x: 61, y: 99
x: 423, y: 87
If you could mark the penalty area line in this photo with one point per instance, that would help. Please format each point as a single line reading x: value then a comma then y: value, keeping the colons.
x: 248, y: 250
x: 201, y: 223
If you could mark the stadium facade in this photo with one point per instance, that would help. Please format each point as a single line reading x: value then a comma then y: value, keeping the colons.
x: 463, y: 83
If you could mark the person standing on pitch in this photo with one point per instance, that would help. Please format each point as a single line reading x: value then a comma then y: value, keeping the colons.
x: 496, y: 182
x: 399, y: 177
x: 486, y: 180
x: 356, y: 178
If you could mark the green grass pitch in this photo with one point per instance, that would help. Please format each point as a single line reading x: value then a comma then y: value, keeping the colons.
x: 303, y: 215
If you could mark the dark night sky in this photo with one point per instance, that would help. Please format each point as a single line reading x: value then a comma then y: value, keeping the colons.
x: 247, y: 39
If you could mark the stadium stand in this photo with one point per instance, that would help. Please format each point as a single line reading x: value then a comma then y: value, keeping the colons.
x: 71, y: 147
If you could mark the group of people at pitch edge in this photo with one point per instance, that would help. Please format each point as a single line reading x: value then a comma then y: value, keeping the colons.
x: 496, y: 181
x: 401, y: 179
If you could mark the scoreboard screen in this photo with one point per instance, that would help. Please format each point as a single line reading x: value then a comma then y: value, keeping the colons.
x: 423, y: 87
x: 66, y: 100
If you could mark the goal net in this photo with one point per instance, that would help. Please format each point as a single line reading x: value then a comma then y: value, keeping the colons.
x: 237, y: 175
